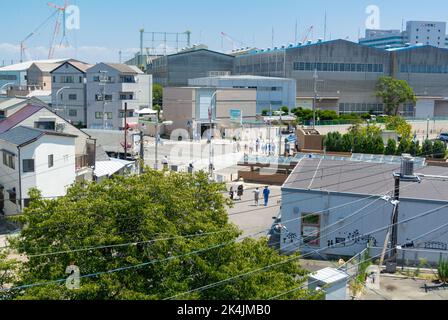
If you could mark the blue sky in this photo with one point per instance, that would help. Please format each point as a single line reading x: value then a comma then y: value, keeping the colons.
x: 108, y: 26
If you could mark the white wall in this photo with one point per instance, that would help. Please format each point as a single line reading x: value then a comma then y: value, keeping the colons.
x: 376, y: 216
x: 52, y: 182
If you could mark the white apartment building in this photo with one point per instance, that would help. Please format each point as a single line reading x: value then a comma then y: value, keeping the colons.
x: 111, y: 89
x: 431, y: 33
x: 69, y: 92
x: 34, y: 158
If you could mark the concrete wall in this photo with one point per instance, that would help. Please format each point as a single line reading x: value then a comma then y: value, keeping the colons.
x: 179, y: 107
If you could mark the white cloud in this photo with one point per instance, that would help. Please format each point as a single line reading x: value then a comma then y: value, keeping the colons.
x: 92, y: 54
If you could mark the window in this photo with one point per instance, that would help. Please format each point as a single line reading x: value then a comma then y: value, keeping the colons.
x: 67, y: 79
x: 311, y: 229
x: 12, y: 195
x: 72, y: 97
x: 80, y: 80
x: 98, y: 115
x: 28, y: 165
x: 127, y: 79
x: 51, y: 161
x: 45, y: 125
x: 54, y: 79
x: 9, y: 159
x: 72, y: 113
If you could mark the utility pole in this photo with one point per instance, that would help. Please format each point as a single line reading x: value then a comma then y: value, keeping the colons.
x: 394, y: 239
x: 142, y: 151
x: 125, y: 131
x: 210, y: 119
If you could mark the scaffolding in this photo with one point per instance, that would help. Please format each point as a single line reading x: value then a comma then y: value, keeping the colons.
x: 163, y: 43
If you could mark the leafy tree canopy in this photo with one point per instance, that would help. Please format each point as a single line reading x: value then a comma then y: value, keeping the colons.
x: 394, y: 93
x: 174, y: 226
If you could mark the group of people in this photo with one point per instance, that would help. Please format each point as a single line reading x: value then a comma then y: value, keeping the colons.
x: 237, y: 192
x: 258, y: 147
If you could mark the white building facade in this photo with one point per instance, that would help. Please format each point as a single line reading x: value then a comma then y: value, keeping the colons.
x: 113, y: 88
x: 33, y: 158
x: 431, y: 33
x: 271, y: 92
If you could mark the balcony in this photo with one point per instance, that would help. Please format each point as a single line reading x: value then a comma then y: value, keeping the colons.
x: 81, y: 162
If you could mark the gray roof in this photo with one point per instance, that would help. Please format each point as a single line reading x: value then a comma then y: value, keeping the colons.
x: 21, y: 136
x: 124, y: 68
x: 365, y: 178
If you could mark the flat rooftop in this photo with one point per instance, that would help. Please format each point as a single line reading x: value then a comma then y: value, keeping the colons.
x: 364, y: 178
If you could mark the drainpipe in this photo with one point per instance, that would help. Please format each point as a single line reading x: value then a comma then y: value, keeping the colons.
x: 20, y: 178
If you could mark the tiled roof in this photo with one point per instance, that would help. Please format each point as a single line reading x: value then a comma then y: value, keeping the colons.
x: 23, y: 135
x: 19, y: 117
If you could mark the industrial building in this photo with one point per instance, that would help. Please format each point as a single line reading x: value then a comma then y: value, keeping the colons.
x: 188, y: 108
x: 271, y: 92
x: 347, y: 74
x: 336, y: 208
x: 175, y: 70
x: 431, y: 33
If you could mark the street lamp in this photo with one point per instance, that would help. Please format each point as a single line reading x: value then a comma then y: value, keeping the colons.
x: 57, y: 101
x: 210, y: 115
x: 5, y: 85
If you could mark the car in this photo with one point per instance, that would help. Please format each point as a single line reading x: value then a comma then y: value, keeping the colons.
x: 443, y: 137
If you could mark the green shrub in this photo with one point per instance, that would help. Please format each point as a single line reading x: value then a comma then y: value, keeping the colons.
x: 378, y: 145
x: 404, y: 147
x: 439, y: 150
x: 391, y: 148
x: 427, y: 148
x: 442, y: 271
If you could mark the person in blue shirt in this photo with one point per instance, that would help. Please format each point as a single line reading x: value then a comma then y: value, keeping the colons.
x: 266, y: 193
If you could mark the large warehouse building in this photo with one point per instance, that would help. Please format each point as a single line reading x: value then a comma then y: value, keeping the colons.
x: 347, y: 73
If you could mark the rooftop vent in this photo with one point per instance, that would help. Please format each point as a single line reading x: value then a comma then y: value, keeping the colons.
x: 309, y: 42
x: 320, y: 40
x: 299, y: 43
x: 407, y: 168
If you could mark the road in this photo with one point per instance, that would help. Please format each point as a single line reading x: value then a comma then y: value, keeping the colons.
x: 252, y: 219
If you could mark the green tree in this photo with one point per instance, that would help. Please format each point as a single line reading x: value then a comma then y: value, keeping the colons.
x: 394, y: 93
x: 415, y: 148
x: 400, y: 125
x: 378, y: 145
x: 404, y: 147
x: 347, y: 142
x: 427, y: 148
x: 391, y: 148
x: 166, y: 234
x: 285, y: 110
x: 157, y: 94
x: 8, y: 269
x: 439, y: 149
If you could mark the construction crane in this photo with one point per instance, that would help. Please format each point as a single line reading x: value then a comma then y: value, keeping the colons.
x: 61, y: 12
x: 307, y: 34
x: 35, y: 31
x: 233, y: 41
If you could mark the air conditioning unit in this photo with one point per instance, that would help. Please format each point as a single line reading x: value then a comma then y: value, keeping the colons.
x: 60, y: 127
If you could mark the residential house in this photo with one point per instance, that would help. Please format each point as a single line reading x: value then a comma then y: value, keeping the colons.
x: 34, y: 158
x: 112, y: 89
x: 68, y: 92
x: 41, y: 117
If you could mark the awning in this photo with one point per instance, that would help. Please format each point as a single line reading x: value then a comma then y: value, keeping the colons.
x: 108, y: 168
x: 146, y: 111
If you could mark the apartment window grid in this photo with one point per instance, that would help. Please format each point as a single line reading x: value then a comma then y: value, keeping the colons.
x: 339, y: 67
x: 361, y: 108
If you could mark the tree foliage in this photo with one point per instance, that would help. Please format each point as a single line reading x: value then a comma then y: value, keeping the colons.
x: 394, y: 93
x: 400, y: 125
x: 174, y: 226
x: 157, y: 94
x: 391, y: 148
